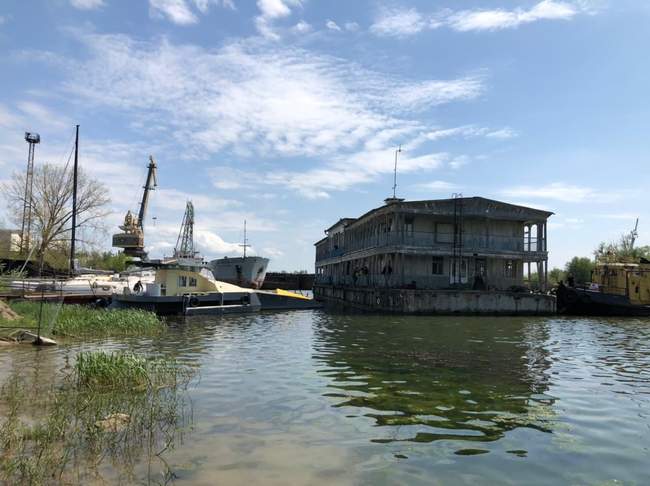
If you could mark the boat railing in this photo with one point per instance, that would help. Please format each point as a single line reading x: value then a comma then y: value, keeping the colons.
x: 444, y: 242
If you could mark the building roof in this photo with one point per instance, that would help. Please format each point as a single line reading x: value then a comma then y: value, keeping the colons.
x: 472, y: 207
x: 344, y: 221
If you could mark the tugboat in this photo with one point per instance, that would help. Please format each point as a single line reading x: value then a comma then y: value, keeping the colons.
x: 617, y: 289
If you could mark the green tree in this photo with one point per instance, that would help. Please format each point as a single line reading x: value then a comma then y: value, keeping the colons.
x: 621, y: 251
x: 105, y: 260
x: 580, y: 268
x: 555, y: 275
x: 51, y: 205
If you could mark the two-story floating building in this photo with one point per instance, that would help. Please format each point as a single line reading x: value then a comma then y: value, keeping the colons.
x: 459, y: 255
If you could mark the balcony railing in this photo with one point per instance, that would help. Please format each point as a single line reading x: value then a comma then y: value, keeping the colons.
x: 436, y: 241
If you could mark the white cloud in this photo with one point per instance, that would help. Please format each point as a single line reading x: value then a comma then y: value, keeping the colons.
x: 458, y: 162
x: 330, y: 24
x: 242, y: 98
x: 558, y: 191
x: 180, y: 11
x: 87, y: 4
x: 468, y: 20
x: 502, y: 134
x: 271, y: 10
x: 437, y: 186
x: 398, y: 23
x: 302, y: 27
x: 40, y: 115
x: 351, y: 26
x: 417, y: 96
x: 177, y: 11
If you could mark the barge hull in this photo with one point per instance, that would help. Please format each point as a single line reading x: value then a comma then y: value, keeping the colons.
x: 436, y: 302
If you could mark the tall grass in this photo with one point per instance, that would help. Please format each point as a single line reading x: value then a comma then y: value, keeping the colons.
x: 76, y: 320
x: 124, y: 371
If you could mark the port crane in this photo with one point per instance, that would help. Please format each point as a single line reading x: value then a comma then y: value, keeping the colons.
x: 185, y: 242
x: 131, y: 240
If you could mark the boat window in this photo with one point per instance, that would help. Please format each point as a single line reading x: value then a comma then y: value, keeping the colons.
x: 182, y: 281
x: 192, y: 282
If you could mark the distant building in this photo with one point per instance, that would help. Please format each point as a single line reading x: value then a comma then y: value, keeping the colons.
x: 449, y: 244
x: 9, y: 241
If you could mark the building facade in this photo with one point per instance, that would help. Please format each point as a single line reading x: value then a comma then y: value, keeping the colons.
x: 9, y: 242
x: 450, y: 244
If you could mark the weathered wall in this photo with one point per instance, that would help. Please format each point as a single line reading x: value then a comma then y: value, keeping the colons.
x: 406, y: 301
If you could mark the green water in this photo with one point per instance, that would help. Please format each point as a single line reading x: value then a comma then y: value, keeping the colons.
x: 315, y: 398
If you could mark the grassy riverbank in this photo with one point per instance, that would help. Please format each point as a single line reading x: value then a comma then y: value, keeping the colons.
x: 108, y: 409
x: 81, y: 321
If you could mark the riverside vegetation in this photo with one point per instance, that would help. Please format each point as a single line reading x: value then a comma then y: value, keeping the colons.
x: 107, y: 409
x: 81, y: 321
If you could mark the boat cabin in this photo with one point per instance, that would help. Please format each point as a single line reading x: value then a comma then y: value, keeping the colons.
x: 177, y: 279
x: 629, y: 279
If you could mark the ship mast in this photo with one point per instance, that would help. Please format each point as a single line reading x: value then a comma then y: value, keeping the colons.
x: 73, y: 236
x: 245, y: 245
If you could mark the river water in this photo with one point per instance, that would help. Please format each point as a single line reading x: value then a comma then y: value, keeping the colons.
x: 310, y: 397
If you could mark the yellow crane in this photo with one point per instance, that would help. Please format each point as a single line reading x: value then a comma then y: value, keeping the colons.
x: 131, y: 240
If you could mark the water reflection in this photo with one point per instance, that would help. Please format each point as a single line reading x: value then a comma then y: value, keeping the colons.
x: 427, y: 379
x: 53, y: 428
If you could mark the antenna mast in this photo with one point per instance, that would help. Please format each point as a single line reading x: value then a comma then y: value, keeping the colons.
x: 395, y: 170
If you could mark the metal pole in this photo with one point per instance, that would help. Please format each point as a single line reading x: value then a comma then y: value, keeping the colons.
x: 74, y: 201
x: 395, y: 171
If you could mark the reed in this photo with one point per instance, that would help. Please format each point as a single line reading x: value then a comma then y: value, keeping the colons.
x: 76, y: 320
x: 99, y: 370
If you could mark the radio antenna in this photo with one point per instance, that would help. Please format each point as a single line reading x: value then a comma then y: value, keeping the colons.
x: 395, y: 171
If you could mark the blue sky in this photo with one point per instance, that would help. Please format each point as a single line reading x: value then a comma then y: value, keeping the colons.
x: 287, y: 113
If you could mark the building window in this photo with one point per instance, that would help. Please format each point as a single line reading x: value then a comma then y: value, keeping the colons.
x: 437, y: 267
x: 182, y: 281
x: 510, y: 268
x: 444, y: 233
x: 192, y: 282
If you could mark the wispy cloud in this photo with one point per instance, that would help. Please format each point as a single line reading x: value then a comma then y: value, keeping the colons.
x: 270, y: 11
x: 558, y: 191
x: 181, y: 12
x: 302, y: 27
x: 241, y: 99
x: 331, y: 25
x: 478, y: 20
x: 437, y: 186
x: 87, y: 4
x: 400, y: 22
